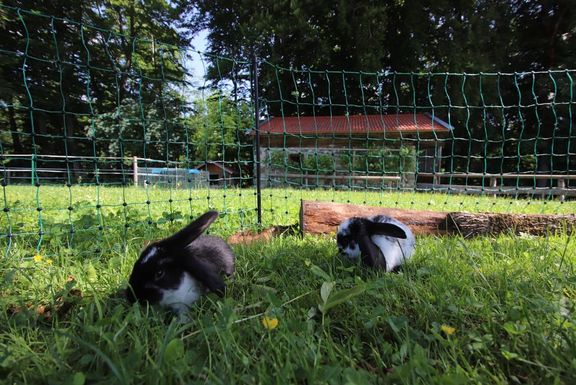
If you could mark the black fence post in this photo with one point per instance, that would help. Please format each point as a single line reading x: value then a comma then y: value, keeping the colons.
x: 257, y: 138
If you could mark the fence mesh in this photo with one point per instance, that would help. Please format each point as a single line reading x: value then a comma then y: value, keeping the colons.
x: 408, y: 139
x: 105, y: 133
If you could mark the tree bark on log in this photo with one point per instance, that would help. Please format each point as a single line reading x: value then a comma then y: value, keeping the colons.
x: 469, y: 224
x: 324, y: 218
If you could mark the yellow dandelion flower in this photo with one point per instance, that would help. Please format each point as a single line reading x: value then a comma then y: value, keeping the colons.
x: 270, y: 323
x: 37, y: 258
x: 49, y: 261
x: 448, y: 330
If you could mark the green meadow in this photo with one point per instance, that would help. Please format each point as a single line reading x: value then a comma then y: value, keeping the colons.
x: 488, y: 310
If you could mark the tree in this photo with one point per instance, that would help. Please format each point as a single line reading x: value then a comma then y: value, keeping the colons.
x: 220, y: 128
x: 69, y: 66
x: 299, y: 40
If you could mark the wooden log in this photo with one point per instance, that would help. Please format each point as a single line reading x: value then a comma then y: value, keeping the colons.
x: 472, y: 224
x: 324, y: 218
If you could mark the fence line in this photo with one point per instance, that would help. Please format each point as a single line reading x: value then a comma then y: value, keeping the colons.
x: 153, y: 176
x: 133, y: 172
x: 499, y: 133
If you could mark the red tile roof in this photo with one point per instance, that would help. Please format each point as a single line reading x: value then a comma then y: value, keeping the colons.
x: 360, y: 124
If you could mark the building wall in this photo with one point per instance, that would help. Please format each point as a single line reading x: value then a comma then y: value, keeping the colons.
x: 217, y: 176
x: 428, y: 160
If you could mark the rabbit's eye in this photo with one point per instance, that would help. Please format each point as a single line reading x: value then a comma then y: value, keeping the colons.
x: 159, y: 274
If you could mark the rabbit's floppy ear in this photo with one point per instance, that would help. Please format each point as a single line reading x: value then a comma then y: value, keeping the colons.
x: 371, y: 254
x: 385, y: 228
x: 189, y: 233
x: 205, y: 273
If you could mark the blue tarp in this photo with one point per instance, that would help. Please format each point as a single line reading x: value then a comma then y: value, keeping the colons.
x: 166, y: 170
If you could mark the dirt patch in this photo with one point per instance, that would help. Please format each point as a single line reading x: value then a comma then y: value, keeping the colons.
x: 249, y: 236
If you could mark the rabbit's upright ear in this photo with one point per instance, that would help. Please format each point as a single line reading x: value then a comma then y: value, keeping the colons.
x: 189, y: 233
x: 383, y: 228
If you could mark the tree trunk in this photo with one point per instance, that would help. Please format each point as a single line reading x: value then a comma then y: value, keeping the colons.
x: 16, y: 143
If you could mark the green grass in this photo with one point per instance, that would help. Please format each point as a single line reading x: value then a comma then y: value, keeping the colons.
x: 511, y: 300
x: 138, y: 211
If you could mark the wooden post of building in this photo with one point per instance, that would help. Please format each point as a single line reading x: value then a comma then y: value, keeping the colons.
x: 435, y: 181
x: 493, y: 184
x: 437, y: 166
x: 135, y: 170
x: 562, y: 186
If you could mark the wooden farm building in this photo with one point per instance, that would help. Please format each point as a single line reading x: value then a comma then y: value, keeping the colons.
x: 353, y: 136
x: 218, y: 173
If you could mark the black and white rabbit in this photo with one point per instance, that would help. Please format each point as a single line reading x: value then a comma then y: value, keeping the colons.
x: 174, y: 272
x: 380, y: 241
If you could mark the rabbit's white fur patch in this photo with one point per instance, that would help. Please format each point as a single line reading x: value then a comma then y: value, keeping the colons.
x: 151, y: 253
x: 395, y: 251
x: 351, y: 252
x: 343, y: 228
x: 180, y: 298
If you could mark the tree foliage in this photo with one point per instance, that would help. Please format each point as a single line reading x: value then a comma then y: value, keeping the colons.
x: 221, y: 128
x: 79, y: 77
x: 380, y: 40
x: 398, y: 35
x: 106, y: 77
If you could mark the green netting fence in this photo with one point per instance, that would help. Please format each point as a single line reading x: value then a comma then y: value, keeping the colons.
x: 443, y: 141
x: 106, y: 134
x: 103, y: 133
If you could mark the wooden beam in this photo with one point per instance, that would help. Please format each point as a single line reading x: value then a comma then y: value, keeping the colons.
x: 324, y: 218
x: 498, y: 176
x: 343, y: 177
